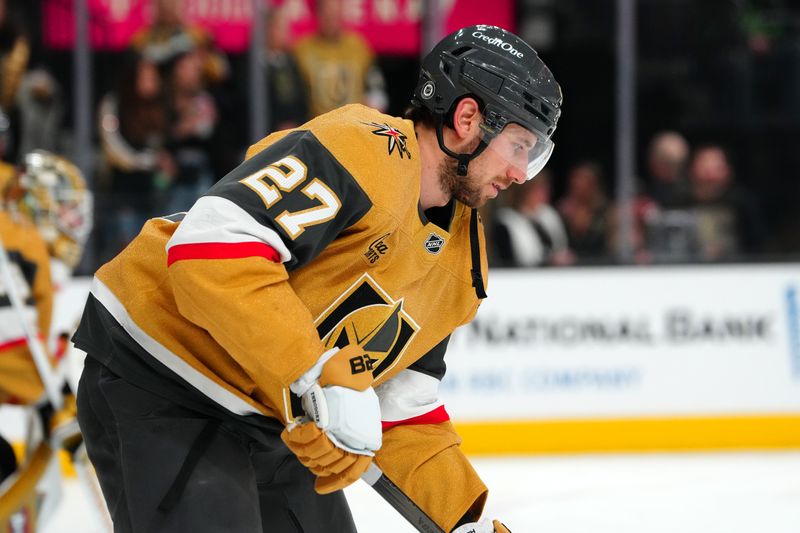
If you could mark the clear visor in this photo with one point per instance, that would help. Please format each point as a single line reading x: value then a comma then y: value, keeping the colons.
x: 525, y: 151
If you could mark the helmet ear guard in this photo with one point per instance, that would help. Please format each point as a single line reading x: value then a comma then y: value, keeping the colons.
x: 503, y: 73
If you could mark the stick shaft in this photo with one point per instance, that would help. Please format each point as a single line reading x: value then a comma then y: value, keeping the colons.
x: 38, y: 353
x: 395, y: 497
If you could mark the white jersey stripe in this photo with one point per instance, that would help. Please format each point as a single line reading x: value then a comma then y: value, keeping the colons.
x: 213, y: 219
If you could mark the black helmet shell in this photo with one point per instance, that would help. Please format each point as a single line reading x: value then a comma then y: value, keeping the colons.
x: 498, y: 68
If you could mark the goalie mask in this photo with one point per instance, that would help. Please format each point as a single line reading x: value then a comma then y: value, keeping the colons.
x: 512, y: 85
x: 52, y: 193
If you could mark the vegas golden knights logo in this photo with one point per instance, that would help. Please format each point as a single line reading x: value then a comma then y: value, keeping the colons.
x: 367, y: 316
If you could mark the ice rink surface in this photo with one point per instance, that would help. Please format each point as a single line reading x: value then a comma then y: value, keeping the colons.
x: 646, y: 493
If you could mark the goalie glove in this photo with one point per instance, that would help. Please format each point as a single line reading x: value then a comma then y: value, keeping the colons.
x: 343, y: 429
x: 484, y: 526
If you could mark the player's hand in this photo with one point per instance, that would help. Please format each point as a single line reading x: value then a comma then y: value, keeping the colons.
x: 337, y: 395
x: 344, y: 429
x: 334, y: 467
x: 484, y: 526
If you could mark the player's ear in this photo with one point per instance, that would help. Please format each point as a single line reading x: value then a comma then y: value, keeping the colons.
x: 466, y: 118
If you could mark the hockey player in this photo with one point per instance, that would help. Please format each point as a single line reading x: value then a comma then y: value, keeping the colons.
x: 44, y: 221
x: 250, y: 358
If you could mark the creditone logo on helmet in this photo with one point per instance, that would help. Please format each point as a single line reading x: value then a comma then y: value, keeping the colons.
x: 500, y: 43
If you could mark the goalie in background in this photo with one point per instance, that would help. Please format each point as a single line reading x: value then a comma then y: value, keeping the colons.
x: 44, y: 222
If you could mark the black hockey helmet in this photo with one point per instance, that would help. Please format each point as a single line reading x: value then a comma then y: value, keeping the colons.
x: 505, y: 74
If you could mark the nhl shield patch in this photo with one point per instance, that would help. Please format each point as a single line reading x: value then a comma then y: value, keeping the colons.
x: 434, y: 243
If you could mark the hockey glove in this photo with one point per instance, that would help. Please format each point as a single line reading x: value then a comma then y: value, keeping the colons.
x: 343, y: 429
x: 334, y: 467
x: 484, y: 526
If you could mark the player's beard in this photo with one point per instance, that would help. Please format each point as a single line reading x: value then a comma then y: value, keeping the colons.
x: 466, y: 189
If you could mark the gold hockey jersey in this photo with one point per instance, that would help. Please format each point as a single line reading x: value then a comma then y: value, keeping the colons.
x: 316, y: 240
x: 335, y: 71
x: 30, y: 268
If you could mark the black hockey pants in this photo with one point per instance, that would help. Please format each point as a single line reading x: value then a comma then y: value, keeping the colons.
x: 167, y: 468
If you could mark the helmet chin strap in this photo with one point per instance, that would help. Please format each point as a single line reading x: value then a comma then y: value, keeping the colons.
x: 474, y: 242
x: 463, y: 159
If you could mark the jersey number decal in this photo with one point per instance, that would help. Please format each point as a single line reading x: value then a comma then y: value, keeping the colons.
x: 285, y: 175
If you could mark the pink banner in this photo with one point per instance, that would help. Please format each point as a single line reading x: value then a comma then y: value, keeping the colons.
x: 391, y: 26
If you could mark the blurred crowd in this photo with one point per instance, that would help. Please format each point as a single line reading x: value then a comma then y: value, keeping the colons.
x: 162, y: 132
x: 172, y: 121
x: 688, y: 208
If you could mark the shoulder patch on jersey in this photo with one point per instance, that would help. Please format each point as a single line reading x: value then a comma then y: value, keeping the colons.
x: 396, y: 138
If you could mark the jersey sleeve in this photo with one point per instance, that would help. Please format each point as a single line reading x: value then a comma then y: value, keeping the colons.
x: 230, y: 256
x: 297, y: 190
x: 420, y: 451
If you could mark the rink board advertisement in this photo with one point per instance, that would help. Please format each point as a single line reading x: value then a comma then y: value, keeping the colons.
x: 632, y: 357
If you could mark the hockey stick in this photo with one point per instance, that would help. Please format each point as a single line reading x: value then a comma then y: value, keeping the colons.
x: 395, y: 497
x: 38, y: 353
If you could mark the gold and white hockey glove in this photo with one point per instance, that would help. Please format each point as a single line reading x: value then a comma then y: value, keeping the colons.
x: 484, y: 526
x: 343, y: 429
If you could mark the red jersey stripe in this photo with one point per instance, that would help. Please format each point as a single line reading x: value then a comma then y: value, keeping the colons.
x: 221, y: 250
x: 13, y: 344
x: 436, y: 416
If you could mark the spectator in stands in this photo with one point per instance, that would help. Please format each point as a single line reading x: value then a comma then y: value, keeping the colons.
x: 14, y: 54
x: 31, y: 99
x: 170, y: 36
x: 132, y: 127
x: 645, y: 213
x: 288, y: 106
x: 729, y: 220
x: 192, y: 119
x: 530, y: 232
x: 338, y: 65
x: 584, y: 210
x: 40, y: 103
x: 667, y: 158
x: 671, y: 229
